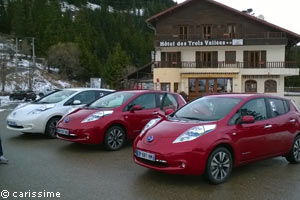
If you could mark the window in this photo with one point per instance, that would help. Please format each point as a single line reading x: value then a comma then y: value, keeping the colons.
x: 192, y: 85
x: 255, y: 59
x: 206, y: 59
x: 85, y: 97
x: 147, y: 101
x: 183, y: 32
x: 201, y: 85
x: 231, y: 30
x: 255, y: 108
x: 206, y: 30
x: 165, y: 87
x: 250, y: 86
x: 230, y: 57
x: 176, y: 87
x: 270, y: 86
x: 171, y: 59
x: 112, y: 100
x: 278, y: 107
x: 170, y: 102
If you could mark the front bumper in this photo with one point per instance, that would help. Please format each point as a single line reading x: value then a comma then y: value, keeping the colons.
x: 188, y: 162
x: 82, y: 136
x: 29, y: 125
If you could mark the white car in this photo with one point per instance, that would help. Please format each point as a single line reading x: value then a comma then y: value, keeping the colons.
x: 42, y: 115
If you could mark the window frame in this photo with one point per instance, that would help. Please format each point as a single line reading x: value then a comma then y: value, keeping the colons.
x: 253, y: 82
x: 237, y: 121
x: 270, y: 89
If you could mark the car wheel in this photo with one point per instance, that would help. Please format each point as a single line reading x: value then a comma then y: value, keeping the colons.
x: 114, y: 138
x: 51, y: 127
x: 219, y: 165
x: 294, y: 155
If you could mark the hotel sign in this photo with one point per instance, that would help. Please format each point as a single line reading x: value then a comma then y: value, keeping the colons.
x: 199, y: 43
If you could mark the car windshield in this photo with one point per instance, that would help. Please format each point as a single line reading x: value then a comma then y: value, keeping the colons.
x: 112, y: 100
x: 56, y: 97
x: 207, y: 109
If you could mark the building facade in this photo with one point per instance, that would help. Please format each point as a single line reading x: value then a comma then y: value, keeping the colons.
x: 204, y: 47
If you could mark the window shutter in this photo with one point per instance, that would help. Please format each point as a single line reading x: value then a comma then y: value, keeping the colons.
x: 246, y: 59
x: 215, y: 59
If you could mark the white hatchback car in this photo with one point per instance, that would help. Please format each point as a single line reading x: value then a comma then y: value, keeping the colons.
x: 42, y: 115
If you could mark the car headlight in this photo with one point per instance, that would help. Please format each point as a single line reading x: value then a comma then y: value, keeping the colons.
x: 41, y: 109
x: 97, y: 115
x: 149, y: 125
x: 195, y: 132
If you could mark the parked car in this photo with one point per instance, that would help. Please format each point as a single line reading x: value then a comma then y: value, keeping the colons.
x: 116, y: 117
x: 215, y: 133
x: 42, y: 115
x: 22, y: 95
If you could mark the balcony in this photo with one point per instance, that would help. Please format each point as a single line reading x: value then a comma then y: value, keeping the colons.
x: 275, y: 38
x: 239, y: 65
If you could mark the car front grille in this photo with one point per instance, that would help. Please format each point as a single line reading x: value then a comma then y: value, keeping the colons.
x: 15, y: 126
x: 152, y: 163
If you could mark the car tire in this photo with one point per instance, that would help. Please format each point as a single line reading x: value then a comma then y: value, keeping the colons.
x: 294, y: 154
x: 219, y: 165
x: 51, y: 127
x: 114, y: 138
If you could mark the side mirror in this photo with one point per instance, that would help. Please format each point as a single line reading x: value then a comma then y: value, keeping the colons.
x: 76, y: 102
x: 136, y: 107
x: 169, y: 111
x: 247, y: 119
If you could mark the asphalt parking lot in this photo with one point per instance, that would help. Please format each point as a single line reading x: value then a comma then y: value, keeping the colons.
x: 38, y: 164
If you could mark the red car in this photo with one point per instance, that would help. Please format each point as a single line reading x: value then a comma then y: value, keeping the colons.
x: 213, y: 134
x: 116, y: 117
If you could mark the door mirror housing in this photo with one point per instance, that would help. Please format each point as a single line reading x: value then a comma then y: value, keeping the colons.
x: 169, y: 111
x: 247, y: 119
x: 76, y: 102
x: 136, y: 107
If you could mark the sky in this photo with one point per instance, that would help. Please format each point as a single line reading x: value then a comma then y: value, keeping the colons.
x: 285, y: 14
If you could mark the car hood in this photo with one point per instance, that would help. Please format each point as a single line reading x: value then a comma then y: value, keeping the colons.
x: 27, y: 108
x: 169, y: 130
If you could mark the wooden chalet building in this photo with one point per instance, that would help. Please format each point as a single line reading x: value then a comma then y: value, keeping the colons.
x: 203, y: 46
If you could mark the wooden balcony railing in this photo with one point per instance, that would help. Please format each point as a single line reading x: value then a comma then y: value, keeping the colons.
x: 220, y: 36
x: 255, y: 65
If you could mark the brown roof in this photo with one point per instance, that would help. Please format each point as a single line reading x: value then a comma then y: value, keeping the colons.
x: 187, y: 2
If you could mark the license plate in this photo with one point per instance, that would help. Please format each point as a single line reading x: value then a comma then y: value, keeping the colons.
x: 62, y: 131
x: 145, y: 155
x: 11, y: 123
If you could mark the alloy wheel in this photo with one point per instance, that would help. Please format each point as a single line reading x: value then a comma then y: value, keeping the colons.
x: 296, y: 150
x: 115, y: 138
x: 220, y: 166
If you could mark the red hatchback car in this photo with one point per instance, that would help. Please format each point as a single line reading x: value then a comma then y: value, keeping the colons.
x: 116, y: 117
x: 213, y: 134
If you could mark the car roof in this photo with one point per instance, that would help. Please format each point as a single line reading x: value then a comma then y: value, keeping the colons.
x: 247, y: 95
x: 87, y: 89
x: 145, y: 91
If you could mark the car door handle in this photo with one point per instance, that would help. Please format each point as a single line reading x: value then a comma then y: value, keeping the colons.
x: 292, y: 120
x: 268, y: 126
x: 155, y: 113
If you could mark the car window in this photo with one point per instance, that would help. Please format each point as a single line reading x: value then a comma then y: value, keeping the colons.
x: 112, y: 100
x: 56, y: 97
x: 207, y: 108
x: 85, y: 97
x: 101, y: 93
x: 169, y: 102
x: 147, y: 101
x: 278, y: 107
x: 286, y: 106
x: 255, y: 108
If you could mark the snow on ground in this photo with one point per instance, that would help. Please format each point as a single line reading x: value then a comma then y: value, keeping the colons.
x: 92, y: 6
x: 65, y: 6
